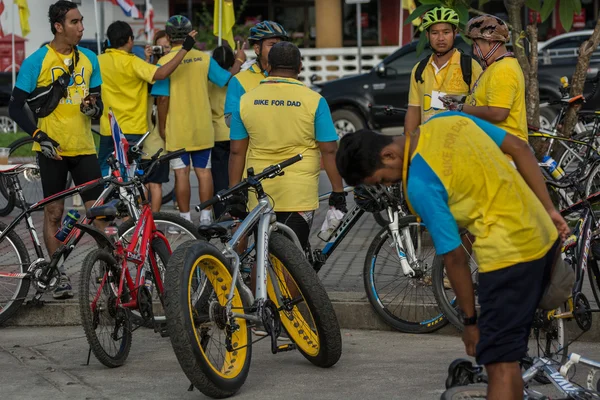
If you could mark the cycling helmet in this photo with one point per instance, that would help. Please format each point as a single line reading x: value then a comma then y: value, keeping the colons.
x: 488, y: 27
x: 440, y: 15
x: 178, y: 27
x: 373, y: 198
x: 266, y: 30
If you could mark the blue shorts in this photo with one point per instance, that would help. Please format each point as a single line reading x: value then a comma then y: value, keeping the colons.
x: 199, y: 159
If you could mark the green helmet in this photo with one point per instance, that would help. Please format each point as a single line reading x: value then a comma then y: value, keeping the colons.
x: 440, y: 15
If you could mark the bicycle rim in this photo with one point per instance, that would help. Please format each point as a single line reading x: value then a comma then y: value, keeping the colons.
x: 208, y: 286
x: 15, y: 260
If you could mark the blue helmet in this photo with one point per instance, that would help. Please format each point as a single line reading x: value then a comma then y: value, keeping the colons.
x: 266, y: 30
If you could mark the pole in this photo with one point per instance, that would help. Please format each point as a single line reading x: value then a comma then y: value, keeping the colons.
x: 98, y: 30
x: 359, y: 36
x: 221, y: 23
x: 13, y: 65
x: 401, y: 37
x: 190, y: 11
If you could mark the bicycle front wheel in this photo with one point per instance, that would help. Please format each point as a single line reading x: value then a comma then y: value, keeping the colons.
x: 15, y: 260
x: 405, y: 303
x: 107, y: 327
x: 213, y: 350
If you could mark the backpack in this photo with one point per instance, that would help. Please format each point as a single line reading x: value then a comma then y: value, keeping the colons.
x: 465, y: 66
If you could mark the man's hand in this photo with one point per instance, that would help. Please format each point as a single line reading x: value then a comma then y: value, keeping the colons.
x: 561, y: 225
x: 451, y: 103
x: 470, y: 338
x: 190, y: 41
x: 240, y: 54
x: 88, y: 106
x: 49, y: 146
x: 148, y: 52
x: 338, y: 200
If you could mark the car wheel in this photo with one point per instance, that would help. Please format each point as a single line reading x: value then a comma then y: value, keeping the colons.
x: 547, y: 117
x: 347, y: 121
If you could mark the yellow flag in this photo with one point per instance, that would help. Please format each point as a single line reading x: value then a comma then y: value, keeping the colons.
x: 228, y: 21
x: 24, y: 16
x: 410, y: 6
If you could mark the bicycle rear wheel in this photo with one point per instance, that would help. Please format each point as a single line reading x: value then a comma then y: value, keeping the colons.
x: 469, y: 392
x: 197, y: 284
x: 107, y: 327
x: 404, y: 303
x: 594, y: 276
x: 7, y: 199
x: 15, y: 260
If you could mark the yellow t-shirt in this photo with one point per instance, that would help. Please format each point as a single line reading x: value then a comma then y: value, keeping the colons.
x: 125, y: 79
x: 459, y: 177
x: 446, y: 81
x: 66, y: 124
x: 283, y: 118
x: 189, y: 120
x: 503, y: 85
x: 240, y: 84
x: 217, y: 107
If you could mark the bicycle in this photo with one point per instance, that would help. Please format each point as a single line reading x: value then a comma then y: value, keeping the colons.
x: 462, y: 373
x: 108, y: 294
x: 209, y: 305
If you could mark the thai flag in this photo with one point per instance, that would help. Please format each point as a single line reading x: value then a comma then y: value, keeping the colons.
x: 128, y: 8
x: 119, y: 141
x: 148, y: 21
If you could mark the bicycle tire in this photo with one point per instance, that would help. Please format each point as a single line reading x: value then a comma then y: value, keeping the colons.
x: 289, y: 265
x: 7, y: 199
x: 469, y: 392
x: 595, y: 280
x: 162, y: 251
x: 592, y: 187
x: 381, y: 218
x: 434, y: 320
x: 565, y: 157
x: 22, y: 288
x: 91, y: 320
x: 216, y: 382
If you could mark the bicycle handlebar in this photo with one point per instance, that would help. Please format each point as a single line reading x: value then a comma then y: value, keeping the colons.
x: 252, y: 181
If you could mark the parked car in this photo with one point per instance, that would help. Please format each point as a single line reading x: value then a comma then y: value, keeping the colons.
x: 388, y: 84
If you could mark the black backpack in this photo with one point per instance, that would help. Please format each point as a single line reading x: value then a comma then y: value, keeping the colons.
x: 465, y: 66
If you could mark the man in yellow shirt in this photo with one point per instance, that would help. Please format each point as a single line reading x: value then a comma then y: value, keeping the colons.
x: 184, y: 114
x: 277, y: 120
x: 499, y: 94
x: 263, y: 36
x: 446, y: 72
x: 61, y: 83
x: 125, y: 79
x: 456, y: 175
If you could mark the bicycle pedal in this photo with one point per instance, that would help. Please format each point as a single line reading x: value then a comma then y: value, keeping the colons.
x: 286, y: 347
x: 161, y: 329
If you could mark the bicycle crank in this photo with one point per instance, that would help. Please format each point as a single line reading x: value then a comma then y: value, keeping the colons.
x: 582, y: 312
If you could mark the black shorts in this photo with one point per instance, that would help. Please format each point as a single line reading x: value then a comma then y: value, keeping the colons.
x: 508, y: 298
x: 160, y: 173
x: 53, y: 174
x: 299, y: 222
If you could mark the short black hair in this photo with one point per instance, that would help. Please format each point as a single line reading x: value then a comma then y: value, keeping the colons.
x: 58, y: 12
x: 359, y: 155
x: 285, y: 55
x: 223, y: 55
x: 118, y: 34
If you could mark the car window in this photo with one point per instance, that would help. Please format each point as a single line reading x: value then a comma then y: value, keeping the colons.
x: 568, y: 43
x: 404, y: 64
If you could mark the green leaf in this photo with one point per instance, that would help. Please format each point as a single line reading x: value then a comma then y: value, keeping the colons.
x: 547, y: 9
x: 422, y: 43
x: 576, y: 4
x: 565, y: 12
x: 463, y: 13
x: 533, y: 4
x: 434, y: 2
x: 422, y: 9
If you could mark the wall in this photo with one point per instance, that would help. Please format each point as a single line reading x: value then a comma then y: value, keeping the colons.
x: 40, y: 27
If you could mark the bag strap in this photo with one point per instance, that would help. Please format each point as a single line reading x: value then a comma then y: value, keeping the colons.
x: 420, y: 68
x: 466, y: 66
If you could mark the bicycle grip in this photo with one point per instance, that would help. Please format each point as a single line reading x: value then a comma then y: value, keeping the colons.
x: 171, y: 155
x: 290, y: 161
x: 207, y: 203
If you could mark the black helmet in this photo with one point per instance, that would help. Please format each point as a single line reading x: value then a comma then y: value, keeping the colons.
x: 266, y: 30
x: 374, y: 198
x: 178, y: 27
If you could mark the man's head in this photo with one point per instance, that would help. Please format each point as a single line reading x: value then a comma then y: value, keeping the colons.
x: 285, y: 60
x: 440, y: 25
x: 178, y: 27
x: 66, y: 21
x: 120, y: 35
x: 370, y: 158
x: 263, y: 36
x: 223, y: 55
x: 488, y: 33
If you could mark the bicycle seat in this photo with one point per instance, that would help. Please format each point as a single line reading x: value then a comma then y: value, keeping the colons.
x: 105, y: 210
x: 571, y: 100
x: 216, y: 230
x: 15, y: 169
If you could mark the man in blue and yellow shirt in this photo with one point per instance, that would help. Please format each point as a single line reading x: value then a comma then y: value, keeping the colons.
x: 459, y: 176
x: 61, y: 82
x: 278, y: 120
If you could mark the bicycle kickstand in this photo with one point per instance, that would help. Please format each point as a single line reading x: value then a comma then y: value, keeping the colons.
x: 87, y: 364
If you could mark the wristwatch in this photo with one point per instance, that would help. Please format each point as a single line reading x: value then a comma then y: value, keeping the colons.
x: 468, y: 320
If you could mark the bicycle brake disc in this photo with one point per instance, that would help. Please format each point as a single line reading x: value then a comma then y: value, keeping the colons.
x: 582, y: 313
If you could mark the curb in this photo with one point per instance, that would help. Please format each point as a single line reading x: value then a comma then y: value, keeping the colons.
x: 352, y: 309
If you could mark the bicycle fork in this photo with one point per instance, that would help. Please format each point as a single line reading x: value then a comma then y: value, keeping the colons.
x: 397, y: 238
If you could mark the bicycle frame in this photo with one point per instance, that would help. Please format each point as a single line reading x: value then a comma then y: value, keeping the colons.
x: 559, y: 380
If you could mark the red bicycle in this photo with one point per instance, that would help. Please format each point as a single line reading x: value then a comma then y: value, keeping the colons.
x: 109, y: 296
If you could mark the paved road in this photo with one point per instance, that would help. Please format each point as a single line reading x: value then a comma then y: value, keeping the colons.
x: 47, y: 363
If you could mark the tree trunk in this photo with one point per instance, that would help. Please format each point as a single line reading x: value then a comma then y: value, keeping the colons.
x: 579, y: 76
x: 532, y: 92
x: 514, y: 8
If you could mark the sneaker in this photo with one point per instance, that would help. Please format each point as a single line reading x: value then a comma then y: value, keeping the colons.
x: 206, y: 221
x: 173, y: 230
x: 259, y: 330
x: 447, y: 284
x: 64, y: 289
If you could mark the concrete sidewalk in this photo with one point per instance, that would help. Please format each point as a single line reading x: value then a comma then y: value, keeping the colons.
x: 48, y: 363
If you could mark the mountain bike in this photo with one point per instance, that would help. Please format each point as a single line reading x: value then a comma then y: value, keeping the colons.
x: 210, y: 309
x: 467, y: 381
x: 108, y: 295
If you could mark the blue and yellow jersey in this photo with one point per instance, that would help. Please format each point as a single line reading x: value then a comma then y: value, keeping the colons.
x: 240, y: 84
x: 459, y: 177
x: 189, y: 121
x: 283, y: 118
x: 66, y: 124
x: 217, y: 103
